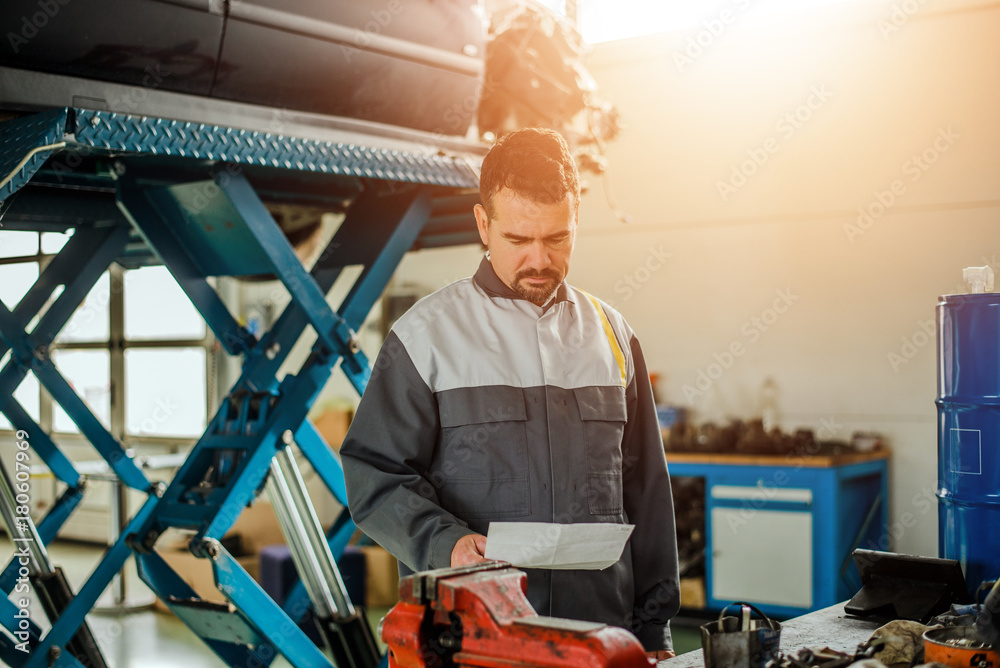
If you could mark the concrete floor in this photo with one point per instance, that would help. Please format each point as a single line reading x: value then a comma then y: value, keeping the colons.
x: 155, y: 639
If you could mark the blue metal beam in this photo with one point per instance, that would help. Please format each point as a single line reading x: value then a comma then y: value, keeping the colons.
x: 330, y: 328
x: 227, y: 466
x: 369, y: 221
x: 297, y: 394
x: 156, y: 223
x: 73, y: 615
x: 247, y: 596
x: 106, y: 445
x: 48, y: 528
x: 115, y: 133
x: 320, y: 456
x: 169, y: 587
x: 86, y: 255
x: 396, y: 220
x: 10, y: 618
x: 21, y: 136
x: 41, y: 443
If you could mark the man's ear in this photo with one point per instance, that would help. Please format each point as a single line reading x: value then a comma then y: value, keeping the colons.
x: 482, y: 223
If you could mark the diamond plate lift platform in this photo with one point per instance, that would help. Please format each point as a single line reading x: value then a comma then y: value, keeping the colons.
x: 142, y: 190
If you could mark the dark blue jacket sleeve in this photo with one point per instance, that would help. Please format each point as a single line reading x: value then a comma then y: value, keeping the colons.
x: 388, y: 447
x: 649, y: 505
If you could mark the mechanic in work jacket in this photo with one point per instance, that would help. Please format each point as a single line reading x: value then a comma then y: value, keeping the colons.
x: 484, y: 406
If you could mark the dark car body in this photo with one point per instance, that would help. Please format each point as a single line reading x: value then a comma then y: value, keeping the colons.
x: 414, y: 64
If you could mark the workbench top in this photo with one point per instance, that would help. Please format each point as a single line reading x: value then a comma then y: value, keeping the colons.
x: 829, y: 627
x: 796, y: 460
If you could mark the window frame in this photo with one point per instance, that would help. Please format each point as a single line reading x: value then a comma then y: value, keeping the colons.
x: 116, y: 345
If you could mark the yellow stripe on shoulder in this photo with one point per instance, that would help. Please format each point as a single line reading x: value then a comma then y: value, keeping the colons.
x: 612, y: 339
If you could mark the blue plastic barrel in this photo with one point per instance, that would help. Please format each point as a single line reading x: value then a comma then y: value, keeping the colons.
x: 969, y: 433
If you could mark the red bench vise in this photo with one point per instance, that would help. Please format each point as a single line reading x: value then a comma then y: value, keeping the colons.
x: 478, y: 616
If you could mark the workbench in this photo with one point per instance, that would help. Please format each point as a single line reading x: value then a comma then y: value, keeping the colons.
x: 780, y: 529
x: 829, y: 627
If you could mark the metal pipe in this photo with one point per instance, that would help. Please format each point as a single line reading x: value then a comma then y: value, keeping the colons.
x: 304, y: 559
x: 119, y: 520
x: 20, y: 528
x: 314, y: 532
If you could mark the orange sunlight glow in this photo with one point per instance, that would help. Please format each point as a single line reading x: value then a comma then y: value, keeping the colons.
x: 608, y: 20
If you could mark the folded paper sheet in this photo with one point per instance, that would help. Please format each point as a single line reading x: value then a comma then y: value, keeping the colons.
x: 557, y: 546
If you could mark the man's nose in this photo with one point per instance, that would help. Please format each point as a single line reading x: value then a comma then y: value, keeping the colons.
x: 538, y: 256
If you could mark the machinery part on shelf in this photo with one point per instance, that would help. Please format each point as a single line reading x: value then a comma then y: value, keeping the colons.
x: 988, y: 619
x: 49, y: 582
x: 344, y: 628
x: 479, y: 616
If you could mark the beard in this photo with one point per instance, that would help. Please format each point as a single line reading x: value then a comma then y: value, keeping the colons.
x: 536, y: 294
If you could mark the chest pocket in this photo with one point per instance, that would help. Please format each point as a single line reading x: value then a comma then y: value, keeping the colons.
x: 603, y: 415
x: 481, y: 466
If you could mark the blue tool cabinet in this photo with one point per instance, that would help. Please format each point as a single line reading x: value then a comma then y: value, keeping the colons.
x: 779, y: 531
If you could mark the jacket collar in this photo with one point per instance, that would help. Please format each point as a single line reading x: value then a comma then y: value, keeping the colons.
x: 488, y: 280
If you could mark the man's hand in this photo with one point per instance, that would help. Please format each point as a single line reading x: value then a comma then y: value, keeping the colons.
x: 661, y: 654
x: 469, y: 550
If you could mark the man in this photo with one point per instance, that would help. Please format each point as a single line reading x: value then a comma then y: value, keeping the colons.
x: 510, y: 396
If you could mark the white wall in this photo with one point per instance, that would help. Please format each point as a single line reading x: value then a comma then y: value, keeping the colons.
x: 880, y: 95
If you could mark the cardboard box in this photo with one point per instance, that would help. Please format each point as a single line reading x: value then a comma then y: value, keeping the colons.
x: 255, y: 528
x: 693, y: 593
x: 382, y: 578
x: 332, y: 425
x: 197, y: 573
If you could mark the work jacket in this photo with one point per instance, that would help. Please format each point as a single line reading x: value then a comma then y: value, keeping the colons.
x: 483, y: 406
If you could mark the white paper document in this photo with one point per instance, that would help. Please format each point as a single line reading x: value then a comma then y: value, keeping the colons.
x: 557, y: 546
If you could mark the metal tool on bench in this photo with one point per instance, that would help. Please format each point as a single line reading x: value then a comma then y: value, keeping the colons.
x: 344, y: 628
x: 49, y: 583
x: 740, y: 642
x: 479, y: 616
x: 988, y: 620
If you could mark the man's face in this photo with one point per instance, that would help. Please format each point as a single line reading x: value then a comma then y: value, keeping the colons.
x: 530, y: 243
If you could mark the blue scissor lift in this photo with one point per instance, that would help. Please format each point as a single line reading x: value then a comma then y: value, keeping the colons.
x: 139, y: 190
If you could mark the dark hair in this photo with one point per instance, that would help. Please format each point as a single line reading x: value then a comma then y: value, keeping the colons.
x: 535, y: 163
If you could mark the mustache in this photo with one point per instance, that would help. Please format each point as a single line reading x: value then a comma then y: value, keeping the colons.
x: 537, y: 273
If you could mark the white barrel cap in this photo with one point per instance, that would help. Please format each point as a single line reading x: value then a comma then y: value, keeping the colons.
x: 980, y: 279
